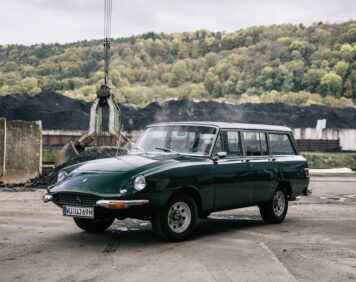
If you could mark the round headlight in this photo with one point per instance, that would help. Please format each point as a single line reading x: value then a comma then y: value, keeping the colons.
x: 61, y: 175
x: 139, y: 182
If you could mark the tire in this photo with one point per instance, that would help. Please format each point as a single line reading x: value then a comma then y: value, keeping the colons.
x: 276, y: 209
x: 177, y: 220
x: 93, y: 225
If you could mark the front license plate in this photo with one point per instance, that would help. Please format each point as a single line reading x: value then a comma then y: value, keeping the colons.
x: 78, y: 211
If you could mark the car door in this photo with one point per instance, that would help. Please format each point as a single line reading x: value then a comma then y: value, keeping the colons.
x: 232, y: 173
x: 264, y: 167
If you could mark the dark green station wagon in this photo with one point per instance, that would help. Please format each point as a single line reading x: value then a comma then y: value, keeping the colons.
x: 179, y: 172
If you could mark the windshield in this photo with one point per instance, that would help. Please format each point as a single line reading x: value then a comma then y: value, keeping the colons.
x: 182, y: 139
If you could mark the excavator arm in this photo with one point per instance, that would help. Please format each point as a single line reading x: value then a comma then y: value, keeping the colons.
x: 105, y: 98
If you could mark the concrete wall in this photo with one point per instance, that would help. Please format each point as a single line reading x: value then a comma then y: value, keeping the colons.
x: 62, y: 137
x: 2, y: 145
x: 23, y: 154
x: 347, y: 137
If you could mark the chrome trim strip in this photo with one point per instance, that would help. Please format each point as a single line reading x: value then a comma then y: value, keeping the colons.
x: 128, y: 203
x: 47, y: 198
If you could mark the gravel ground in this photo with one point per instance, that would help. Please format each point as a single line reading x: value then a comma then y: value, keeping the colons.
x: 316, y: 242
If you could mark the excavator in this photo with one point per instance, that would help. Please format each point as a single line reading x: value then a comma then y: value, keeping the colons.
x: 104, y: 102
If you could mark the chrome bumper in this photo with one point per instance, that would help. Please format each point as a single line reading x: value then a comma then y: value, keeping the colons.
x: 121, y: 204
x: 47, y: 198
x: 109, y: 204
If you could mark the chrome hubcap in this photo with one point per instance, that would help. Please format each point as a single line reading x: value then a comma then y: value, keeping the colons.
x: 278, y: 203
x: 179, y: 217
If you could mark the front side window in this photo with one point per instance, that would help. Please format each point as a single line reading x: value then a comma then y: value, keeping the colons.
x: 229, y: 141
x: 184, y: 139
x: 281, y: 144
x: 255, y: 143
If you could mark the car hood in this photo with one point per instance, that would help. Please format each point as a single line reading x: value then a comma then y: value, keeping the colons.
x: 127, y: 163
x: 105, y: 177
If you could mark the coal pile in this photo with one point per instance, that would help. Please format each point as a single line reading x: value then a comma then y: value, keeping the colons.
x: 276, y: 114
x: 56, y: 111
x: 60, y: 112
x: 49, y: 177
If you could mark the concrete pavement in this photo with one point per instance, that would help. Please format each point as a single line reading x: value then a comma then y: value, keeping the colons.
x: 316, y: 242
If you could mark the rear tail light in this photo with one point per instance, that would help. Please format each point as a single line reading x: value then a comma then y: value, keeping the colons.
x: 306, y: 172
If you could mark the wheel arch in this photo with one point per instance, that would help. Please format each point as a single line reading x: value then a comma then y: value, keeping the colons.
x: 194, y: 193
x: 286, y: 185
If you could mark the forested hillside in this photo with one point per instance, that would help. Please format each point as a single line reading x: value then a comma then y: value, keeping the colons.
x: 287, y: 63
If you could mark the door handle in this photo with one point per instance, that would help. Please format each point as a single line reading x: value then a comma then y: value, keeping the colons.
x: 272, y: 159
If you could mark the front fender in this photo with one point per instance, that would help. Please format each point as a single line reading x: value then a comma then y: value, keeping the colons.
x: 198, y: 176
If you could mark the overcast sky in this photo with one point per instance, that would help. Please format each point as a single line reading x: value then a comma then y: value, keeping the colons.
x: 36, y: 21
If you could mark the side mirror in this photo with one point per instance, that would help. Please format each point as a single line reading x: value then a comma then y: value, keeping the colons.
x: 219, y: 155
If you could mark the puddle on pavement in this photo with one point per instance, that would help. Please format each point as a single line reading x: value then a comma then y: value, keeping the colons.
x: 335, y: 198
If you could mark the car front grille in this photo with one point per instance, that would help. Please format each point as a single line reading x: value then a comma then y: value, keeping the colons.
x: 75, y: 199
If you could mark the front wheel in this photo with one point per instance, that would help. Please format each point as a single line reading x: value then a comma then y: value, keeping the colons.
x: 276, y: 209
x: 178, y: 220
x: 94, y: 225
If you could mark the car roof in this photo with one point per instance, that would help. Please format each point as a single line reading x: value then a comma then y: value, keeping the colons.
x: 228, y: 125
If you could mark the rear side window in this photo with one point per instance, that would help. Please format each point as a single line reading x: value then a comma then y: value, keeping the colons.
x: 255, y: 143
x: 281, y: 144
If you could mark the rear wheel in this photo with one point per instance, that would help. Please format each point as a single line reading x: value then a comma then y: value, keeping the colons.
x: 178, y: 220
x: 276, y: 209
x: 94, y: 225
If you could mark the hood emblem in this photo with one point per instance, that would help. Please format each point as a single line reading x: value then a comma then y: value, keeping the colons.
x: 84, y: 180
x: 78, y: 199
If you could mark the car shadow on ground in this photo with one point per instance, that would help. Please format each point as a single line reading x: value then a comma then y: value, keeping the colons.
x: 128, y: 234
x: 219, y: 224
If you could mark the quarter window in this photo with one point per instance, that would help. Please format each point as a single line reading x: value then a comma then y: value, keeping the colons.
x: 218, y: 145
x: 255, y: 143
x: 281, y: 144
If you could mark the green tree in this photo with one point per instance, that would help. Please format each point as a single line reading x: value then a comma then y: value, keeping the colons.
x: 210, y: 81
x: 178, y: 75
x: 331, y: 84
x: 30, y: 85
x: 341, y: 68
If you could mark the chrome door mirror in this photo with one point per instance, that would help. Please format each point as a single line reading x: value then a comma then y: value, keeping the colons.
x: 221, y: 155
x: 218, y: 156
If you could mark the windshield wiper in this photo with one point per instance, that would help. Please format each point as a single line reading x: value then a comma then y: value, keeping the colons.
x: 166, y: 150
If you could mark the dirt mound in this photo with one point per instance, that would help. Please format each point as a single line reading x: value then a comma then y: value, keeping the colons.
x: 60, y: 112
